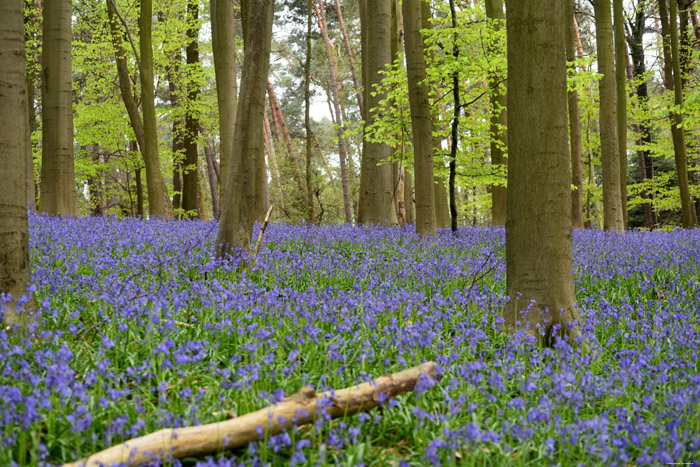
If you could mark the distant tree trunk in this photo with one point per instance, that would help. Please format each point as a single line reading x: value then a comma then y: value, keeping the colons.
x: 378, y: 195
x: 335, y: 96
x: 610, y: 155
x: 574, y: 126
x: 58, y: 194
x: 190, y: 173
x: 158, y: 200
x: 455, y: 121
x: 407, y: 197
x: 140, y: 209
x: 620, y: 81
x: 283, y: 135
x: 223, y: 25
x: 539, y: 249
x: 272, y: 162
x: 364, y: 19
x: 351, y: 57
x: 238, y: 208
x: 499, y: 117
x: 211, y: 173
x: 673, y: 82
x: 421, y: 121
x: 14, y: 245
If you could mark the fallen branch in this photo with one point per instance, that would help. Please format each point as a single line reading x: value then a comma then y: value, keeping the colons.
x: 301, y: 408
x: 262, y: 230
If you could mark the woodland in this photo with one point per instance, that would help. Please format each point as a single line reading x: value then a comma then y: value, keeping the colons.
x: 339, y: 232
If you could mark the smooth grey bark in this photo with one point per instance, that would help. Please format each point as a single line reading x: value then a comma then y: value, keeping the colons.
x: 58, y: 192
x: 421, y: 122
x: 620, y: 82
x: 238, y: 206
x: 539, y: 265
x: 14, y: 245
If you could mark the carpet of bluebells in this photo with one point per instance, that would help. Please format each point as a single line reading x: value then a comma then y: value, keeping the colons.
x: 141, y: 328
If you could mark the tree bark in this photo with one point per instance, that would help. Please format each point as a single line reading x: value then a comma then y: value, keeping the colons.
x: 421, y: 122
x: 378, y: 193
x: 238, y: 210
x: 283, y: 135
x: 499, y: 117
x: 211, y: 173
x: 610, y: 156
x: 58, y: 193
x: 296, y: 410
x: 362, y: 7
x: 673, y: 82
x: 539, y: 249
x: 14, y: 238
x: 455, y: 121
x: 574, y: 125
x: 158, y: 201
x: 190, y: 173
x: 223, y: 25
x: 351, y: 57
x: 620, y: 82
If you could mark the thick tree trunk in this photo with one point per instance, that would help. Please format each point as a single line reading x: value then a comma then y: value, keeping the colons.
x: 620, y: 82
x: 238, y: 210
x: 378, y: 194
x: 223, y: 25
x: 574, y: 126
x: 58, y: 193
x: 539, y: 247
x: 14, y: 245
x: 190, y: 173
x: 421, y: 122
x: 610, y: 156
x: 158, y: 201
x: 499, y: 117
x: 335, y: 96
x: 673, y: 82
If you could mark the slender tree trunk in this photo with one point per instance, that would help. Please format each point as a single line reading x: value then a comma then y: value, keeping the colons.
x: 283, y: 134
x: 211, y: 173
x: 351, y: 57
x: 364, y: 20
x: 335, y: 95
x: 378, y: 195
x: 190, y: 173
x: 620, y: 82
x: 158, y: 201
x: 610, y: 155
x: 223, y: 25
x: 574, y: 126
x: 238, y: 212
x: 58, y: 193
x: 14, y: 244
x: 539, y: 249
x: 673, y: 82
x: 421, y: 121
x: 455, y: 121
x: 307, y: 113
x: 499, y: 116
x: 272, y: 160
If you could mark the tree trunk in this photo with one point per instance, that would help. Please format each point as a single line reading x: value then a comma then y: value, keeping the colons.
x: 539, y: 247
x: 283, y: 135
x: 673, y: 82
x: 455, y: 121
x: 620, y: 82
x: 335, y: 95
x: 223, y: 26
x: 158, y: 201
x: 211, y: 173
x: 421, y: 122
x: 14, y: 245
x: 190, y: 173
x: 574, y: 126
x: 58, y: 194
x: 610, y: 156
x: 499, y: 117
x: 238, y: 210
x: 351, y: 57
x: 378, y: 194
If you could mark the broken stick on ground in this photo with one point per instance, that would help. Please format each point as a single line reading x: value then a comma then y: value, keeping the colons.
x: 300, y: 408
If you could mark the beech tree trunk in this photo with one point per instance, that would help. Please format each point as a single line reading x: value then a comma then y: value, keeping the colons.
x: 455, y: 122
x: 190, y: 172
x: 239, y: 203
x: 158, y: 201
x: 539, y: 249
x: 610, y: 156
x: 574, y: 126
x: 378, y: 192
x: 421, y: 122
x: 620, y: 82
x: 223, y: 26
x: 58, y: 193
x: 14, y: 259
x: 499, y: 117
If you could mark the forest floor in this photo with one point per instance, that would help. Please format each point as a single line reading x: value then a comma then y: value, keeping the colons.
x: 142, y: 328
